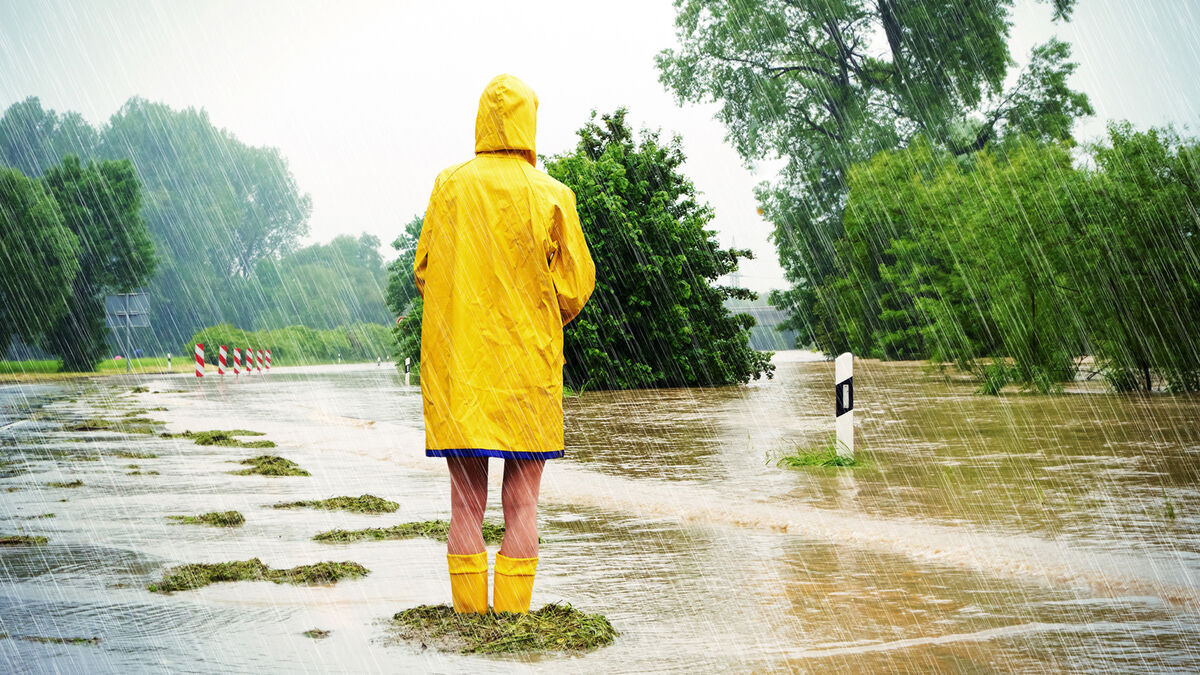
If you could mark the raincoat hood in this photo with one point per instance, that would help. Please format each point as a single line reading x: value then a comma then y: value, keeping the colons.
x: 507, y: 118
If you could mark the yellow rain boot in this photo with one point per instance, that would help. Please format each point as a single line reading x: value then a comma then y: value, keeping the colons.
x: 469, y: 582
x: 514, y: 584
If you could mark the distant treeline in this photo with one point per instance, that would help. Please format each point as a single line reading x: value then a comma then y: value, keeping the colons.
x: 225, y: 220
x: 295, y: 345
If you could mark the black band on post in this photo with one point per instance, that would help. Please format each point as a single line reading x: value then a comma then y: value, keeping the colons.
x: 844, y: 397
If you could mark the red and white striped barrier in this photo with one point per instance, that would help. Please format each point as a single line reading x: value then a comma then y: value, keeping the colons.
x: 268, y: 359
x: 221, y: 361
x: 237, y: 360
x: 260, y: 361
x: 199, y: 359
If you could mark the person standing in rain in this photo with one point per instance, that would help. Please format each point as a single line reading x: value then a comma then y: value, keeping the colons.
x: 502, y: 266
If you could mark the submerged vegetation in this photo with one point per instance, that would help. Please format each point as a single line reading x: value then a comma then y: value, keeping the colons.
x: 553, y: 628
x: 127, y: 425
x: 22, y: 540
x: 198, y: 575
x: 433, y: 529
x: 53, y: 640
x: 224, y: 438
x: 825, y: 454
x: 65, y: 484
x: 271, y: 465
x: 363, y: 504
x: 316, y: 633
x: 214, y: 518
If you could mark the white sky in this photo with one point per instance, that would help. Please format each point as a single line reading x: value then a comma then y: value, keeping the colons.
x: 368, y: 100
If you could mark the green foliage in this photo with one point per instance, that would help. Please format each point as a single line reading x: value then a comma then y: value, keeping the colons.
x: 297, y: 345
x: 271, y: 465
x: 407, y: 337
x: 192, y: 576
x: 22, y: 540
x: 433, y: 529
x: 655, y: 317
x: 824, y: 455
x: 40, y: 260
x: 363, y: 504
x: 804, y: 81
x: 401, y: 285
x: 214, y: 518
x: 552, y: 628
x: 101, y: 203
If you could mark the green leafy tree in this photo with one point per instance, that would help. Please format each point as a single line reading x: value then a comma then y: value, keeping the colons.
x: 39, y: 262
x: 321, y: 285
x: 800, y: 80
x: 401, y: 285
x: 33, y: 139
x: 1136, y: 220
x: 101, y: 204
x: 655, y: 318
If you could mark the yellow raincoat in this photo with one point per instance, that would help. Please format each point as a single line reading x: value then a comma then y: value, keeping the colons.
x: 502, y: 265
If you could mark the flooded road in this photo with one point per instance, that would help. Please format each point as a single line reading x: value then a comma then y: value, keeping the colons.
x: 1020, y: 533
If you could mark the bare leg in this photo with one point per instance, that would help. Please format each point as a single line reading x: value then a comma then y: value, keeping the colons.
x: 468, y: 499
x: 522, y: 480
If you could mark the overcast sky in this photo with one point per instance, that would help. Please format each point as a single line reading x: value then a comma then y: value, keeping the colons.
x: 368, y: 100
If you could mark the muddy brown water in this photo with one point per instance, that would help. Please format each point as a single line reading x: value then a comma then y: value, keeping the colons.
x: 1021, y: 533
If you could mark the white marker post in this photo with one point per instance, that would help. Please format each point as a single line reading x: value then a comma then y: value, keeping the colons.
x: 407, y: 377
x: 843, y: 383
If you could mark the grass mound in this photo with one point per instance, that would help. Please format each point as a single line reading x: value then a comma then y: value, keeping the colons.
x: 434, y: 529
x: 554, y: 628
x: 214, y: 518
x: 316, y: 633
x: 21, y: 540
x: 129, y: 454
x: 65, y: 484
x: 128, y: 425
x: 198, y: 575
x: 224, y: 438
x: 363, y: 504
x: 825, y: 454
x: 51, y: 640
x: 271, y: 465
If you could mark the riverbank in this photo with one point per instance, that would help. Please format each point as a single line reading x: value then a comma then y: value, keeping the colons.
x: 1015, y: 533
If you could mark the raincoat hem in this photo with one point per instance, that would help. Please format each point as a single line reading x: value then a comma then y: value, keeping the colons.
x: 489, y: 452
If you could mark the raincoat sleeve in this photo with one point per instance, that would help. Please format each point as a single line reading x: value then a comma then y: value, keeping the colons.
x: 571, y: 264
x: 422, y: 257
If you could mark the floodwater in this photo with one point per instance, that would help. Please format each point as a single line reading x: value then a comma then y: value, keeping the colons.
x: 1020, y: 533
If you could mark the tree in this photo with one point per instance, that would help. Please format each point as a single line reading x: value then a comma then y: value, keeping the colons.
x: 796, y: 79
x: 655, y: 317
x: 1136, y: 220
x: 401, y: 286
x: 321, y: 285
x: 101, y: 204
x: 33, y: 139
x: 39, y: 261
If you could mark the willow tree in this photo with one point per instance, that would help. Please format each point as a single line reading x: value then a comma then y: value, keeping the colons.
x: 802, y: 80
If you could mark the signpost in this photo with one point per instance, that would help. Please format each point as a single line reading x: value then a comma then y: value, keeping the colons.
x: 843, y: 393
x: 127, y: 310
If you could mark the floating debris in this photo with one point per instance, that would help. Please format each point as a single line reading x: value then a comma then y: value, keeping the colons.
x: 189, y: 577
x: 363, y: 504
x: 67, y: 484
x: 53, y: 640
x: 140, y: 390
x: 433, y: 529
x: 22, y: 540
x: 317, y: 633
x: 271, y: 465
x: 214, y: 518
x: 553, y: 628
x: 129, y: 454
x: 223, y: 438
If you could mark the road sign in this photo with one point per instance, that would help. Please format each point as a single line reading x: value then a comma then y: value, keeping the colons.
x: 127, y: 310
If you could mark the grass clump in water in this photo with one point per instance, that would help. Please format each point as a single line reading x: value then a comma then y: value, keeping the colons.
x: 50, y: 640
x: 553, y: 628
x: 131, y: 425
x: 189, y: 577
x: 223, y: 438
x: 271, y: 465
x: 433, y: 529
x: 65, y: 484
x: 316, y: 633
x: 129, y: 454
x: 21, y: 540
x: 140, y: 390
x: 363, y: 504
x: 825, y: 454
x: 214, y: 518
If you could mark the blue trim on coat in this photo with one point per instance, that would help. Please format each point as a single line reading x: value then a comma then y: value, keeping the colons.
x: 488, y: 452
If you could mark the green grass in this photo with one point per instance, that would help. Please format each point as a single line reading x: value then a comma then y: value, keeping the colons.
x: 553, y: 628
x: 214, y: 518
x: 316, y: 633
x: 363, y: 504
x: 21, y: 540
x: 270, y: 465
x: 65, y: 484
x: 189, y: 577
x: 433, y: 529
x: 129, y: 454
x: 825, y: 454
x: 128, y: 425
x: 223, y: 438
